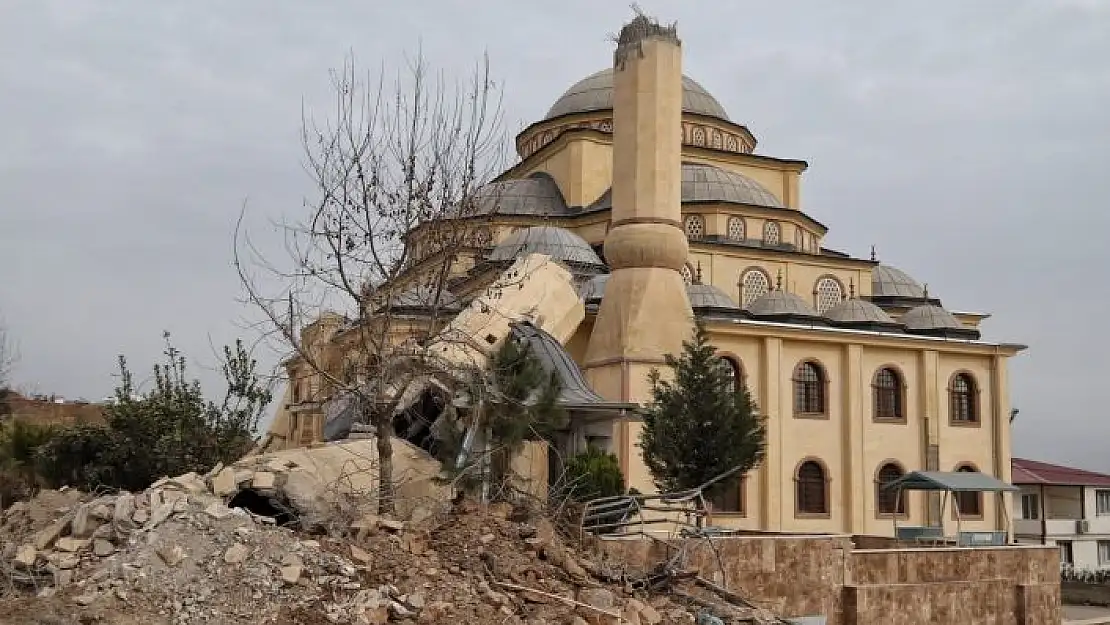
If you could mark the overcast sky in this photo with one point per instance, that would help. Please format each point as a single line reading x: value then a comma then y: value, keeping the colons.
x: 966, y: 140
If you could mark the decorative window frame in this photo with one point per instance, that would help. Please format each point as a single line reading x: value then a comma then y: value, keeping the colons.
x: 904, y: 495
x: 979, y: 496
x: 742, y: 499
x: 772, y: 226
x: 817, y: 291
x: 975, y: 395
x: 743, y: 228
x: 798, y: 513
x: 740, y: 374
x: 687, y: 272
x: 694, y: 218
x: 743, y: 284
x: 823, y: 374
x: 902, y: 395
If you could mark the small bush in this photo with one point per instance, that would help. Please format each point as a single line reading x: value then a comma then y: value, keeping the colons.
x: 593, y: 474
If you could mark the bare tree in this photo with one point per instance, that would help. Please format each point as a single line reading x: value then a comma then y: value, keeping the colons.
x: 7, y: 358
x: 391, y: 222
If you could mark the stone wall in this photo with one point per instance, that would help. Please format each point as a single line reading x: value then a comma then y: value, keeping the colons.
x: 790, y: 575
x: 1079, y: 593
x: 826, y: 575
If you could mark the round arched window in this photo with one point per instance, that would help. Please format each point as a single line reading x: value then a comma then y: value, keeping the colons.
x: 736, y: 229
x: 772, y: 234
x: 695, y: 226
x: 754, y: 284
x: 828, y: 293
x: 687, y: 274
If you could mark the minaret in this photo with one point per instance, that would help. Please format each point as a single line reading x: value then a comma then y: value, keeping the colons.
x: 645, y: 312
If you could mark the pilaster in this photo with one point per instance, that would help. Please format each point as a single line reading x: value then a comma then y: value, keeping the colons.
x: 775, y: 485
x: 855, y: 486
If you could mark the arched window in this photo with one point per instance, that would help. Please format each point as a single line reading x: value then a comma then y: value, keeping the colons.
x: 687, y: 274
x: 812, y: 488
x: 827, y: 293
x: 809, y: 389
x: 753, y: 284
x: 889, y: 500
x: 963, y: 399
x: 695, y: 226
x: 888, y: 394
x: 772, y: 235
x: 735, y: 373
x: 970, y: 502
x: 737, y: 231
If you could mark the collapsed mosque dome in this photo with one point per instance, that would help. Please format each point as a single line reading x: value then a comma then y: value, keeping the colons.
x: 558, y: 243
x: 891, y: 282
x: 707, y: 296
x: 595, y: 93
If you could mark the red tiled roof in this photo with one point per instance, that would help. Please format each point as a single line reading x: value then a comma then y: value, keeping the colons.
x: 1033, y: 472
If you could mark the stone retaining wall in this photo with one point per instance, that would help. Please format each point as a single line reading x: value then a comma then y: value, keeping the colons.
x: 824, y: 575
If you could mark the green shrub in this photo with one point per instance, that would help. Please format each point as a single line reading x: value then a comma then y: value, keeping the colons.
x: 592, y: 474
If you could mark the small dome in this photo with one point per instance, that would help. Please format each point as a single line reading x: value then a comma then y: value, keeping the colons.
x: 535, y: 195
x: 887, y: 281
x: 779, y: 303
x: 558, y: 243
x: 706, y: 183
x: 709, y: 296
x: 858, y: 311
x: 594, y: 289
x: 595, y: 93
x: 930, y: 317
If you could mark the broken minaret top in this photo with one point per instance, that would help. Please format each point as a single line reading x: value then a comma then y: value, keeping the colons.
x: 635, y: 32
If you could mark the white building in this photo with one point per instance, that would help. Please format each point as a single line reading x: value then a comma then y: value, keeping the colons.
x: 1066, y: 507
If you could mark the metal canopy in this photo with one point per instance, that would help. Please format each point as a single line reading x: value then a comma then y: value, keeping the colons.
x: 955, y: 482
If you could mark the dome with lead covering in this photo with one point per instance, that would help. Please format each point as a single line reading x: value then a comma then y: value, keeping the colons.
x: 558, y: 243
x: 595, y: 93
x: 537, y: 194
x: 779, y: 303
x: 930, y: 317
x: 706, y: 183
x: 887, y: 281
x: 709, y: 296
x: 856, y: 311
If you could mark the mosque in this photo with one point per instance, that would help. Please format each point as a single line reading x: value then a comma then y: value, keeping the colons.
x: 658, y: 202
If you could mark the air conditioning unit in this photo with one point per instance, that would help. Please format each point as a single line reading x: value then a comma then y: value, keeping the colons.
x: 1082, y: 526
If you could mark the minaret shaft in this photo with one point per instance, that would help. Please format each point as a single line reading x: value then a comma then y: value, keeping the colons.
x: 645, y: 312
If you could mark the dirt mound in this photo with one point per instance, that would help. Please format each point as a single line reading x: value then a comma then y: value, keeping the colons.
x: 176, y: 554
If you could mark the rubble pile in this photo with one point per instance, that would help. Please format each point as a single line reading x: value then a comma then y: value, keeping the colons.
x: 177, y: 554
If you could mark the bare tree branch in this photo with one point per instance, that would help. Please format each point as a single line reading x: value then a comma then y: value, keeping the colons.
x: 391, y: 221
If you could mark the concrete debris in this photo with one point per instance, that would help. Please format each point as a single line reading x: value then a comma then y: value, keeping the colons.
x: 177, y: 554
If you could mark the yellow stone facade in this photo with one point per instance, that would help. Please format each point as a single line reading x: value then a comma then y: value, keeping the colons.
x: 855, y: 366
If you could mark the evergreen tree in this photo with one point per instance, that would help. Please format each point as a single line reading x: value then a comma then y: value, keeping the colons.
x: 701, y: 424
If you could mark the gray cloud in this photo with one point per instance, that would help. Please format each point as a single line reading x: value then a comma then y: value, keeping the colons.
x: 965, y: 140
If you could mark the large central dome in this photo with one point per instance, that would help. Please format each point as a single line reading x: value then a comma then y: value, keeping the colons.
x: 595, y: 93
